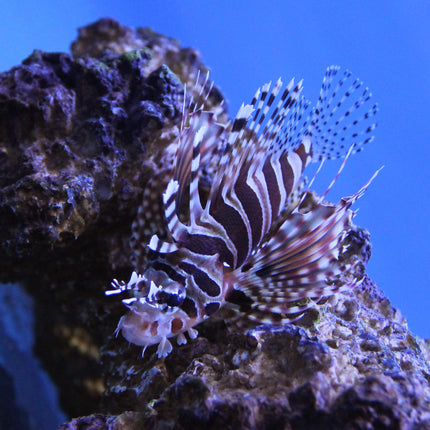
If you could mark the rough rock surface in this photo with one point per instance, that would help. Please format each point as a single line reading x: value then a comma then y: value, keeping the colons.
x: 80, y: 135
x: 76, y: 135
x: 356, y: 366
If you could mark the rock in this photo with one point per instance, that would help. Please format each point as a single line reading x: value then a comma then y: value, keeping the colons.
x: 76, y: 134
x: 80, y: 135
x: 339, y: 373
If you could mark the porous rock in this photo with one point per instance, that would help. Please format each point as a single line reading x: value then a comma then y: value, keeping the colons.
x: 356, y: 366
x: 80, y: 135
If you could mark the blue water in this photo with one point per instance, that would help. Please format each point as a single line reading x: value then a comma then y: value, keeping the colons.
x: 28, y: 398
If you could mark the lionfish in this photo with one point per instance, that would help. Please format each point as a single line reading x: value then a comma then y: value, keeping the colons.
x: 227, y: 223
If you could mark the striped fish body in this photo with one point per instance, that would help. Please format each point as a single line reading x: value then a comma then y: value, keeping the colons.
x: 249, y: 240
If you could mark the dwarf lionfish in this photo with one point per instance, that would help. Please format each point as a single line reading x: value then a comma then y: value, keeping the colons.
x: 227, y: 224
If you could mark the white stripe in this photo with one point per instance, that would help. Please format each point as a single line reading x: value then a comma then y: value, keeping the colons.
x: 245, y: 111
x: 169, y: 210
x: 172, y: 187
x: 258, y: 184
x: 296, y: 165
x: 157, y: 245
x: 276, y: 165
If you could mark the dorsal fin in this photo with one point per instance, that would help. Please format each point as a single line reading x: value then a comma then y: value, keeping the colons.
x: 261, y: 168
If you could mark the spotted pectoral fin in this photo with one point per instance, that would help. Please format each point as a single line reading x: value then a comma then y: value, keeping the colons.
x: 299, y: 265
x: 343, y: 116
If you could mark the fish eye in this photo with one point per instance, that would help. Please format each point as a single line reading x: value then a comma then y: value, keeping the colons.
x: 170, y: 299
x: 171, y: 295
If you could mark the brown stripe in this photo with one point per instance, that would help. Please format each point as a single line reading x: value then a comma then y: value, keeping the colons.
x: 287, y: 173
x: 169, y: 271
x: 189, y: 307
x: 211, y: 308
x: 233, y: 223
x: 177, y: 325
x: 154, y: 328
x: 203, y: 281
x: 239, y: 124
x: 251, y: 206
x: 208, y: 245
x: 301, y: 152
x: 272, y: 188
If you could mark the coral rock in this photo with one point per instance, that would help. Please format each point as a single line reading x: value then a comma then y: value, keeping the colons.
x: 80, y: 135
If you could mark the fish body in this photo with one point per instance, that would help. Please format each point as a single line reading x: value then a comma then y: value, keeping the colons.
x: 244, y: 237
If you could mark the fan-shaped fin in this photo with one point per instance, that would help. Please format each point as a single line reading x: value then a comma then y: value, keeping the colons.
x: 299, y: 262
